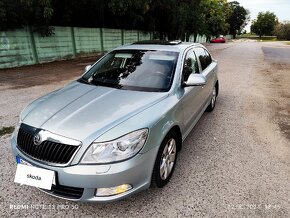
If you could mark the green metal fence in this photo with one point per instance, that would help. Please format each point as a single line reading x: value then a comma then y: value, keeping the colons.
x: 25, y: 47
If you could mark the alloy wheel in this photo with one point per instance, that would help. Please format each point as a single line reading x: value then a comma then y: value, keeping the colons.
x: 213, y: 99
x: 167, y: 159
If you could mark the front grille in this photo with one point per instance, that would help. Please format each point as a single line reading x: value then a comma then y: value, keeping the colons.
x: 65, y: 191
x: 47, y: 151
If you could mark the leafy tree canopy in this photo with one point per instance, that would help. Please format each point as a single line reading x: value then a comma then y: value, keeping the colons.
x: 282, y: 30
x: 264, y: 24
x: 169, y: 19
x: 18, y: 13
x: 238, y: 18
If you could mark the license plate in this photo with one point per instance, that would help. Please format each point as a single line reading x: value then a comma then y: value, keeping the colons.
x: 19, y: 160
x: 27, y: 174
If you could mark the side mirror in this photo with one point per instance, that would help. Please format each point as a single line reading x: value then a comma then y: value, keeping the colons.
x: 195, y: 80
x: 88, y: 67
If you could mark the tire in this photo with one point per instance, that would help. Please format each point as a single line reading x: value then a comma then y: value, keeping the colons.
x: 211, y: 105
x: 165, y: 161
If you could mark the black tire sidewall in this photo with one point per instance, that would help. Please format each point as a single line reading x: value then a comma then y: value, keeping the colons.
x: 210, y: 107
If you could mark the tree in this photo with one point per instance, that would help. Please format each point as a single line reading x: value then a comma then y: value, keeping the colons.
x: 9, y: 14
x: 129, y: 13
x: 214, y: 17
x: 237, y: 19
x: 186, y: 20
x: 282, y: 30
x: 18, y: 13
x: 167, y: 19
x: 264, y: 24
x: 161, y: 17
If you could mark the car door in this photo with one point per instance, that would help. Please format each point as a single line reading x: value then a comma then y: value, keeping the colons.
x: 192, y: 98
x: 208, y: 69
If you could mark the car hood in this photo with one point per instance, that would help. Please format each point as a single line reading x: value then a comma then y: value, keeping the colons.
x: 80, y: 110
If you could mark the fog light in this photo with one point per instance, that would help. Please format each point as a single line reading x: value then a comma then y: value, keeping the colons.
x: 101, y: 192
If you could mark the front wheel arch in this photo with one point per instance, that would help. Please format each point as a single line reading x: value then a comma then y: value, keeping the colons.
x: 176, y: 129
x: 156, y: 180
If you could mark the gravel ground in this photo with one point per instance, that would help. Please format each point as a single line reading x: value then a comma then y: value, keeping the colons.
x: 235, y: 162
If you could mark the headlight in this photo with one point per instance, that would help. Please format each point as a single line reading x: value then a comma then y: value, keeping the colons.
x: 119, y: 149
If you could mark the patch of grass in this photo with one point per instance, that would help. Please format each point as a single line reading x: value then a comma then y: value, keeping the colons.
x: 6, y: 130
x: 249, y: 35
x: 287, y: 43
x: 262, y: 39
x: 267, y: 40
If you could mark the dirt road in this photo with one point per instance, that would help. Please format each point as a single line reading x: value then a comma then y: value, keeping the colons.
x: 235, y: 162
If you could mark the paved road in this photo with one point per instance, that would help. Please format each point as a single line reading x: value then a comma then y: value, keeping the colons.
x: 235, y: 162
x: 280, y: 54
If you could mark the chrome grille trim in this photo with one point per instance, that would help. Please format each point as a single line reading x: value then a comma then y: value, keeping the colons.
x: 52, y: 149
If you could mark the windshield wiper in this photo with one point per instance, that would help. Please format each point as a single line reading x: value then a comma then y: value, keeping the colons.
x: 106, y: 84
x: 83, y: 80
x: 99, y: 83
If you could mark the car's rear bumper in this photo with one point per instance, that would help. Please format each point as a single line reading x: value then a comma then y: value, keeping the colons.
x: 83, y: 180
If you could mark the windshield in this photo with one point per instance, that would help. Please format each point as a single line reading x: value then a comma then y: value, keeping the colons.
x: 139, y: 70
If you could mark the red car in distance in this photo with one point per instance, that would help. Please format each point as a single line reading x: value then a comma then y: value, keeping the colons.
x: 218, y: 40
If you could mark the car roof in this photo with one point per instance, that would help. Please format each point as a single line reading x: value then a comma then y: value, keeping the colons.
x: 160, y: 45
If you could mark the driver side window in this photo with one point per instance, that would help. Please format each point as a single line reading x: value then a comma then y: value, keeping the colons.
x: 190, y: 65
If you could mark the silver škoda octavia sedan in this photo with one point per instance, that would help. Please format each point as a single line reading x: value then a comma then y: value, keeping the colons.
x: 119, y: 127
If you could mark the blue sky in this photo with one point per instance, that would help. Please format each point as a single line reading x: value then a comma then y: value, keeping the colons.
x: 280, y: 7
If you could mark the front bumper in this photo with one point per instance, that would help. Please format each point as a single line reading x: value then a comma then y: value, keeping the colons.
x: 136, y: 171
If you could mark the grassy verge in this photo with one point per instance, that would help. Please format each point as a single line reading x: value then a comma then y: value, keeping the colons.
x: 268, y: 40
x: 264, y: 38
x: 6, y: 130
x: 287, y: 43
